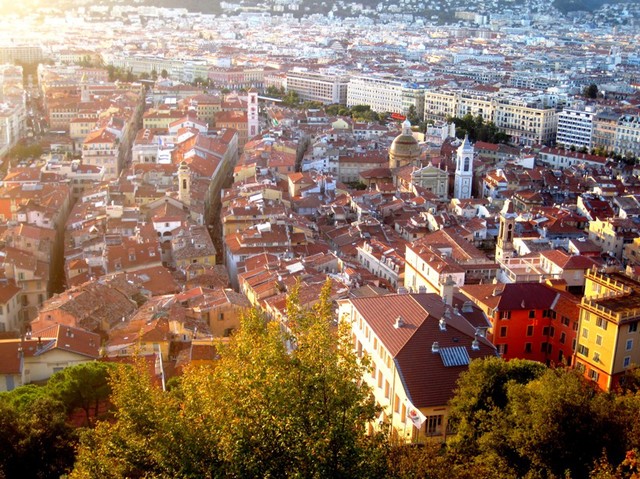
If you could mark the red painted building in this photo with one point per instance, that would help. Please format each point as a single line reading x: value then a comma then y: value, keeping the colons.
x: 529, y: 320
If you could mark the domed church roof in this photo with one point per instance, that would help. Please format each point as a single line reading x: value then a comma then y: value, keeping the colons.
x: 405, y: 148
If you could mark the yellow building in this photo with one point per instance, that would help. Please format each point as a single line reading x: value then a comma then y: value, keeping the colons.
x: 417, y: 346
x: 607, y: 336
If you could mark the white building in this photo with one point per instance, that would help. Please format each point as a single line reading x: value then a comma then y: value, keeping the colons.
x: 575, y: 127
x: 528, y: 118
x: 315, y: 86
x: 385, y: 94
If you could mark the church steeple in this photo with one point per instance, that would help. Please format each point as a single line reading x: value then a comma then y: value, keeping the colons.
x: 85, y: 96
x: 464, y: 170
x: 504, y: 242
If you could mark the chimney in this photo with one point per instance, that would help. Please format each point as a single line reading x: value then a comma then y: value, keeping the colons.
x: 399, y: 322
x: 475, y: 344
x: 443, y: 324
x: 435, y: 347
x: 447, y: 290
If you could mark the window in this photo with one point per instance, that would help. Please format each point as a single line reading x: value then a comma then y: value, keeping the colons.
x: 633, y: 327
x: 505, y: 314
x: 386, y: 389
x: 396, y: 404
x: 596, y: 357
x: 221, y: 317
x: 502, y: 348
x: 503, y: 331
x: 582, y: 349
x: 580, y: 367
x: 379, y: 379
x: 527, y: 347
x: 629, y: 344
x: 532, y: 313
x: 543, y: 347
x: 433, y: 424
x: 585, y: 333
x: 601, y: 323
x: 530, y: 330
x: 563, y: 337
x: 626, y: 362
x: 545, y: 331
x: 403, y: 413
x: 594, y: 375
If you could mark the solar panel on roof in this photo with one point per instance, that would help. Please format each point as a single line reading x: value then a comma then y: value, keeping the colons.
x: 454, y: 356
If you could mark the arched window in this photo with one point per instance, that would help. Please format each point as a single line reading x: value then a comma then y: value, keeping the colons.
x: 467, y: 163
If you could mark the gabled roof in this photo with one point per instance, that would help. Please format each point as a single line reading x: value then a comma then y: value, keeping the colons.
x: 429, y: 378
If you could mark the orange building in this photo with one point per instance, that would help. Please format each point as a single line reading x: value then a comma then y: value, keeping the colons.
x: 528, y: 320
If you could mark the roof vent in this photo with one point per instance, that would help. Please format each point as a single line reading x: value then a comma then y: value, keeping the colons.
x: 475, y: 345
x: 443, y: 324
x: 467, y: 307
x: 399, y: 322
x: 522, y: 304
x: 435, y: 347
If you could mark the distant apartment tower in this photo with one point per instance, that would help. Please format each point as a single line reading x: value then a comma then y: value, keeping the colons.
x: 315, y: 86
x: 12, y: 125
x: 385, y: 93
x: 575, y: 127
x: 21, y: 53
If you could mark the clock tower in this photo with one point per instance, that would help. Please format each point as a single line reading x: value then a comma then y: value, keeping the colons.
x: 464, y: 171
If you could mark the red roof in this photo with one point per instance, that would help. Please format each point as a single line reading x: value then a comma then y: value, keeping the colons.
x: 428, y: 378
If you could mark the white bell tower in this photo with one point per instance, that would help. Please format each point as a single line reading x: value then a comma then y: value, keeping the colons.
x: 253, y: 122
x: 464, y: 171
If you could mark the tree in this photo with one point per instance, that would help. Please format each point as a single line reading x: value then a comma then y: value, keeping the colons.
x: 520, y: 417
x: 83, y: 386
x: 144, y: 438
x: 590, y: 91
x: 277, y: 404
x: 36, y: 440
x: 412, y: 115
x: 482, y: 392
x: 164, y: 74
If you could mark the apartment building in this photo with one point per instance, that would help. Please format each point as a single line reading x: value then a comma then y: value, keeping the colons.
x: 13, y: 125
x: 607, y: 341
x: 385, y: 94
x: 627, y: 139
x: 604, y: 130
x: 21, y: 53
x: 529, y: 119
x: 315, y: 86
x: 100, y: 148
x: 417, y: 346
x: 528, y: 320
x: 575, y: 127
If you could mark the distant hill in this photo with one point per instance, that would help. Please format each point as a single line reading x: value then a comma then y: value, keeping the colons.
x: 443, y: 9
x: 566, y: 6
